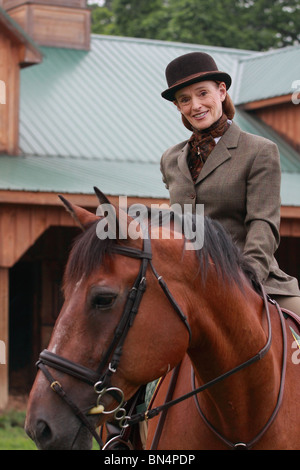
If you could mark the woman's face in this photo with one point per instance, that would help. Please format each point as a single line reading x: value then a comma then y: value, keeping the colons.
x: 201, y: 103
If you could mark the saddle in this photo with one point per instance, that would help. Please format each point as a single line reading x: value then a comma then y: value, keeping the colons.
x: 293, y: 321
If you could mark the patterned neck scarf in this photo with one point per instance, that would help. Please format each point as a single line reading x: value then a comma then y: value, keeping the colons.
x: 202, y: 143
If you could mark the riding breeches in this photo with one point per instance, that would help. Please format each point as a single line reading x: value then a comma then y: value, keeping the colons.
x: 288, y: 302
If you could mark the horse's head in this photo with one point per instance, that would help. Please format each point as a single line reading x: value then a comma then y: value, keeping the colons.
x: 110, y: 331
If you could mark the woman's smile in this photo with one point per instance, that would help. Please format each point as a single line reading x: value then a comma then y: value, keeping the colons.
x: 201, y: 115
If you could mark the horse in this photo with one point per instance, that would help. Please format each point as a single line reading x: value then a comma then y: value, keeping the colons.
x: 151, y: 309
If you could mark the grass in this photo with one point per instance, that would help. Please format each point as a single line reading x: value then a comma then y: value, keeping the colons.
x: 12, y: 434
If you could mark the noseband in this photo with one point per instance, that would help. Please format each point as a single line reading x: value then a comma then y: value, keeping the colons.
x: 101, y: 379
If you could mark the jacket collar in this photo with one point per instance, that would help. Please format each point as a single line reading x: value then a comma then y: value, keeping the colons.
x: 218, y: 156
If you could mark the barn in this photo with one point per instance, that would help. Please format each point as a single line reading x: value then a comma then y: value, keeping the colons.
x: 79, y: 110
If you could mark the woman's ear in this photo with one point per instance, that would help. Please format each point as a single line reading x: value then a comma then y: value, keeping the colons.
x: 222, y: 90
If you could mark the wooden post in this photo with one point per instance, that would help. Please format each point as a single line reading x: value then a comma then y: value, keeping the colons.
x: 4, y: 315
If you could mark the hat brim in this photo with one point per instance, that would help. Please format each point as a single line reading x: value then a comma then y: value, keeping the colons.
x: 169, y: 94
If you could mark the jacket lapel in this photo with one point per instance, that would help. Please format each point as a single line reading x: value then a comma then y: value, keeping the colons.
x: 220, y: 153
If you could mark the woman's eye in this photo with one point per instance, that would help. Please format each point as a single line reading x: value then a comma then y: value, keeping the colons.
x: 103, y: 301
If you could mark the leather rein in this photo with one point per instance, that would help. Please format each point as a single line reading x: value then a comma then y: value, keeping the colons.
x: 101, y: 378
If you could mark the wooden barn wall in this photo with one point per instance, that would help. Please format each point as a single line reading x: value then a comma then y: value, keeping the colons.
x: 20, y: 226
x: 9, y: 110
x: 285, y: 119
x: 53, y: 25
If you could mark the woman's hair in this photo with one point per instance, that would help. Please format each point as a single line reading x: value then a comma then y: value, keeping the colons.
x: 228, y: 109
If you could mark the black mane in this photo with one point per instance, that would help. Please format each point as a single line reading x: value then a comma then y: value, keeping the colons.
x: 88, y: 254
x: 227, y: 257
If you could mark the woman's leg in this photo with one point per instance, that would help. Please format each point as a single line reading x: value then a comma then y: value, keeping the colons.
x: 288, y: 302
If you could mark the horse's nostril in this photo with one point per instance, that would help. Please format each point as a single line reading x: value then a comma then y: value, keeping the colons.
x: 43, y: 433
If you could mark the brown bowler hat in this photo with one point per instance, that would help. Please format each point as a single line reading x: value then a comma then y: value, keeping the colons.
x: 191, y: 68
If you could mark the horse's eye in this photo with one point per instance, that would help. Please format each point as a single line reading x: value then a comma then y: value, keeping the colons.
x: 103, y: 301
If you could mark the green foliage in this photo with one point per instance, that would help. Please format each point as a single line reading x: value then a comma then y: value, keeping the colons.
x: 12, y: 434
x: 243, y: 24
x: 103, y: 21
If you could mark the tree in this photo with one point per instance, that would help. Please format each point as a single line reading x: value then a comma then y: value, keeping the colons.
x: 273, y: 23
x: 139, y: 18
x: 244, y: 24
x: 103, y: 20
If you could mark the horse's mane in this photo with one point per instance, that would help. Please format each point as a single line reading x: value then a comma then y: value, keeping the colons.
x: 89, y: 252
x: 228, y: 259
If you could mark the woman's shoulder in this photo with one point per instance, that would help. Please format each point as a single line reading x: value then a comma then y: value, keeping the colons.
x: 174, y: 150
x: 256, y: 140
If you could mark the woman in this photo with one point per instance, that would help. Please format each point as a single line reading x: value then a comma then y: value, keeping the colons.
x: 235, y: 175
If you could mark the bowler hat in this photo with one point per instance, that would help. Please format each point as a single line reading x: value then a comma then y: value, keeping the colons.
x: 191, y: 68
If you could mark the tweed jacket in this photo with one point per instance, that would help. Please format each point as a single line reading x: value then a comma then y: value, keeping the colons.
x: 239, y: 186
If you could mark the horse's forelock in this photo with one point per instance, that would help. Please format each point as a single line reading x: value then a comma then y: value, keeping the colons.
x: 87, y: 253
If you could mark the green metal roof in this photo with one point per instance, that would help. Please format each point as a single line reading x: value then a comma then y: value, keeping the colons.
x: 75, y: 175
x: 97, y: 118
x: 105, y: 103
x: 266, y: 75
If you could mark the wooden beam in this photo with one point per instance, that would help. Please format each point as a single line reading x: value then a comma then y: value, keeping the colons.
x: 18, y: 36
x: 52, y: 199
x: 4, y: 315
x: 290, y: 212
x: 290, y: 221
x: 266, y: 102
x: 53, y: 25
x: 7, y: 4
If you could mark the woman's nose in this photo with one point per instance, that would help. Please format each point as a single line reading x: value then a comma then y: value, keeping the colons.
x: 196, y: 103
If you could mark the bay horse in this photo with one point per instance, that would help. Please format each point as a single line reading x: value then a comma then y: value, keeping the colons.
x: 138, y: 309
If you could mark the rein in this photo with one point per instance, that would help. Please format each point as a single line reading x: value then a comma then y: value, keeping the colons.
x: 100, y: 379
x: 250, y: 444
x: 155, y: 411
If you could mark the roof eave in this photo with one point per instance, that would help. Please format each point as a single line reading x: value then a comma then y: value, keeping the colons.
x: 30, y: 53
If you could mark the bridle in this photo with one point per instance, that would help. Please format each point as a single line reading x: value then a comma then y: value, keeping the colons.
x: 101, y: 378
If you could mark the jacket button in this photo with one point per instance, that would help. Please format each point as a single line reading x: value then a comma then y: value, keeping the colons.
x: 192, y: 196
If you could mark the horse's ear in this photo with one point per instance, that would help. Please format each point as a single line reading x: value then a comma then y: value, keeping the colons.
x: 101, y: 197
x: 82, y: 217
x: 120, y: 224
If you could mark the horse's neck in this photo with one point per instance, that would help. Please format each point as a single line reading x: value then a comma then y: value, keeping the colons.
x: 228, y: 329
